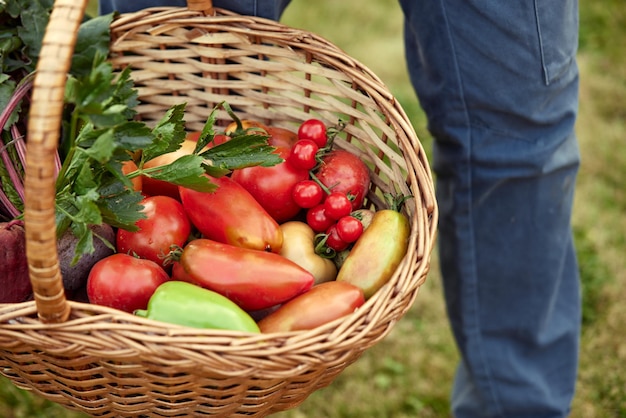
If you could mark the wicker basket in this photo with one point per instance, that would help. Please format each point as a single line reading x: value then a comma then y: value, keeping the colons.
x: 108, y: 363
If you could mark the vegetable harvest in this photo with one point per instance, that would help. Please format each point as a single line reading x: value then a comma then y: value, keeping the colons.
x: 248, y: 227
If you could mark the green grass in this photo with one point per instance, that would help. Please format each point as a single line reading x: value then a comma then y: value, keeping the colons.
x: 409, y: 373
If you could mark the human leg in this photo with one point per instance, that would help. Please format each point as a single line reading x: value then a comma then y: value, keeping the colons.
x: 499, y: 83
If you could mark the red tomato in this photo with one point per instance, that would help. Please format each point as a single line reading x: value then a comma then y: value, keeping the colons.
x: 322, y: 304
x: 317, y: 219
x: 334, y: 241
x: 315, y: 130
x: 273, y: 186
x: 349, y: 228
x: 303, y: 154
x: 124, y: 282
x: 337, y: 205
x: 307, y: 194
x: 166, y: 224
x: 252, y: 279
x: 232, y: 215
x: 344, y: 172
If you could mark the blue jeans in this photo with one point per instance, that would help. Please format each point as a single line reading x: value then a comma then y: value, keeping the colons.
x: 499, y: 83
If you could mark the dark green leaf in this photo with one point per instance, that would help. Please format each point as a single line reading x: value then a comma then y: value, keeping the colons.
x: 133, y: 136
x: 84, y: 244
x: 9, y: 43
x: 169, y: 133
x: 85, y: 180
x: 240, y: 152
x: 109, y: 116
x: 208, y: 133
x: 120, y: 207
x: 88, y: 211
x: 114, y: 168
x: 101, y: 100
x: 186, y: 171
x: 93, y: 39
x: 216, y: 171
x: 102, y: 148
x: 35, y: 15
x: 126, y: 93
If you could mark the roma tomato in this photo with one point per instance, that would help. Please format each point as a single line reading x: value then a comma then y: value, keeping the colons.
x: 315, y: 130
x: 166, y: 224
x: 322, y: 304
x: 178, y: 272
x: 344, y: 172
x: 307, y: 193
x: 303, y: 154
x: 232, y: 215
x: 124, y: 282
x: 273, y: 186
x: 252, y: 279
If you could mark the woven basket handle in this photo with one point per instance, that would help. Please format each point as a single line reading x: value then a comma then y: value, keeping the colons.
x: 43, y: 139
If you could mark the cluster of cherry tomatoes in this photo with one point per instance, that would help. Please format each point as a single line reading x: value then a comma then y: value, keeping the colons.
x: 328, y: 211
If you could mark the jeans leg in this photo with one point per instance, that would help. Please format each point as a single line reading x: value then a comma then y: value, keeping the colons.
x: 499, y: 84
x: 270, y: 9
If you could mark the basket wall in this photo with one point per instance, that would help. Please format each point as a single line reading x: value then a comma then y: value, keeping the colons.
x: 108, y: 363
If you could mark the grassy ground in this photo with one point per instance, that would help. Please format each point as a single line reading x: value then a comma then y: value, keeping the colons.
x: 409, y: 373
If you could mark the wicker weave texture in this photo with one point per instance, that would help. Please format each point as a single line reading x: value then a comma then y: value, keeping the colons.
x: 108, y: 363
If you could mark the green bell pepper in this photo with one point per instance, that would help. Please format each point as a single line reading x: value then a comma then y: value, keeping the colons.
x: 183, y: 303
